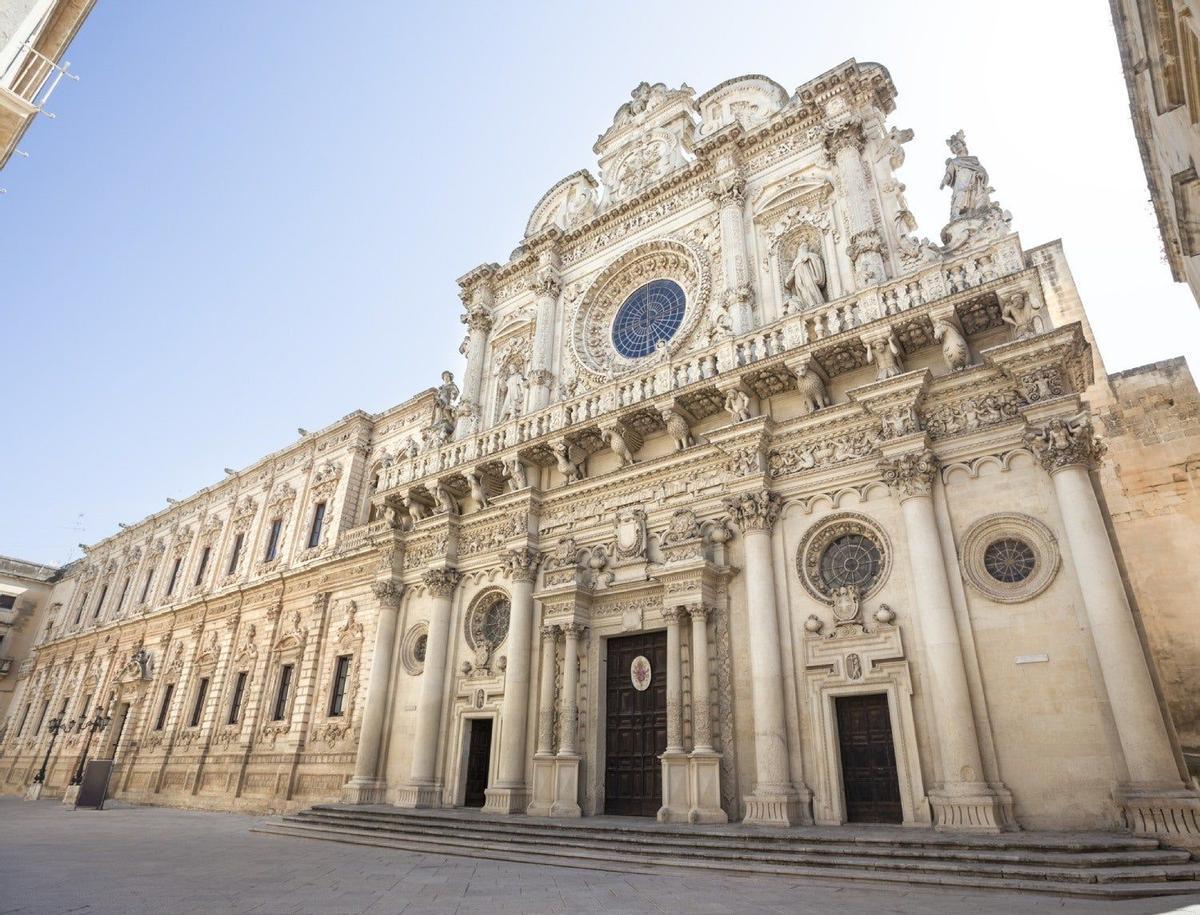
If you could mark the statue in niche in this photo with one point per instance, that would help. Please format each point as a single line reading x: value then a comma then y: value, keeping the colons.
x: 806, y: 278
x: 967, y: 180
x: 514, y: 394
x: 445, y: 401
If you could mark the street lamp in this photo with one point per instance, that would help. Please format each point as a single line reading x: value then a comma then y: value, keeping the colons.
x: 55, y: 724
x: 99, y: 723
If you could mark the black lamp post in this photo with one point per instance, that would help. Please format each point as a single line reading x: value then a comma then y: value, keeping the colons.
x: 55, y: 724
x: 99, y: 723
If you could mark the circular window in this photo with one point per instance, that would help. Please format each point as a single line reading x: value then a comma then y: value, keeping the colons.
x: 487, y: 620
x: 652, y: 314
x: 419, y: 648
x: 843, y: 549
x: 850, y: 560
x: 412, y: 649
x: 1009, y: 560
x: 1009, y: 557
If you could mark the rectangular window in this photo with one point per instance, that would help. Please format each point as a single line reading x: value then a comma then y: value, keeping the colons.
x: 7, y: 601
x: 1189, y: 49
x: 146, y: 586
x: 100, y: 603
x: 79, y: 610
x: 314, y: 532
x: 174, y: 575
x: 337, y: 698
x: 24, y: 718
x: 83, y: 709
x: 239, y: 688
x: 42, y: 717
x: 273, y: 540
x: 237, y: 551
x: 198, y: 708
x: 124, y: 591
x: 203, y: 564
x: 281, y: 694
x: 166, y: 707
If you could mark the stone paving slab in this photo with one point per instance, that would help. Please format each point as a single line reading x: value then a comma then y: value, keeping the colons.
x: 157, y: 860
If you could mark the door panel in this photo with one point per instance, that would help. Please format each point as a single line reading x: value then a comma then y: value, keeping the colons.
x: 636, y: 729
x: 869, y: 776
x: 479, y: 757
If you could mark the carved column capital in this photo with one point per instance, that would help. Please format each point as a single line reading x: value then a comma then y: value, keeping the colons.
x: 442, y: 582
x: 388, y: 593
x: 674, y: 614
x: 550, y: 632
x: 728, y: 190
x: 574, y: 630
x: 847, y: 135
x: 1069, y: 442
x: 910, y: 475
x: 478, y: 318
x: 755, y: 511
x: 545, y: 284
x: 700, y: 612
x: 521, y: 564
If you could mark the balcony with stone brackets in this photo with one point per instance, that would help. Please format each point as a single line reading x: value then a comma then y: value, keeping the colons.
x: 26, y: 86
x: 829, y: 341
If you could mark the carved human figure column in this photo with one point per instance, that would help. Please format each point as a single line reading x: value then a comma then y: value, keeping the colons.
x: 546, y: 286
x: 963, y: 801
x: 1156, y: 799
x: 423, y: 791
x: 844, y: 143
x: 728, y: 192
x: 366, y: 787
x: 570, y: 701
x: 775, y: 801
x: 545, y: 743
x: 478, y: 319
x: 510, y: 793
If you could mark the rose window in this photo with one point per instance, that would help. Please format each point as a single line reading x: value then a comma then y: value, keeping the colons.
x: 1009, y: 560
x: 489, y: 624
x: 651, y: 315
x: 419, y: 648
x: 852, y: 559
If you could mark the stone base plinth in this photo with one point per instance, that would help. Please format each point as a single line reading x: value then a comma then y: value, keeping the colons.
x: 704, y: 788
x: 34, y: 791
x: 555, y: 787
x: 420, y: 797
x: 361, y: 790
x: 1171, y: 814
x: 70, y: 795
x: 769, y: 808
x: 972, y: 807
x: 676, y: 793
x: 506, y: 800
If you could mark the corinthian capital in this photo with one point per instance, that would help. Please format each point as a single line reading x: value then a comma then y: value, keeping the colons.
x: 755, y: 511
x: 1070, y: 442
x: 545, y: 283
x: 478, y: 318
x: 522, y: 564
x: 910, y: 475
x: 441, y: 582
x: 848, y: 134
x: 388, y: 593
x: 728, y: 190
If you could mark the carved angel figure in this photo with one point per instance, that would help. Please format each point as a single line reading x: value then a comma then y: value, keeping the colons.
x: 806, y: 278
x: 886, y: 355
x: 737, y: 404
x: 954, y: 346
x: 967, y: 180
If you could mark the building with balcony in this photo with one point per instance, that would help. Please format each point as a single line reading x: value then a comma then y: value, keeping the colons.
x: 25, y: 614
x: 750, y: 504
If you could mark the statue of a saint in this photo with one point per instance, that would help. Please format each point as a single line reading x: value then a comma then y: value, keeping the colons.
x: 806, y: 279
x: 514, y: 395
x: 444, y: 401
x: 967, y: 180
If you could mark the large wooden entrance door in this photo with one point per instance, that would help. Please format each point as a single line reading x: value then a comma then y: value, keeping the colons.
x: 636, y: 727
x: 479, y: 758
x: 869, y: 777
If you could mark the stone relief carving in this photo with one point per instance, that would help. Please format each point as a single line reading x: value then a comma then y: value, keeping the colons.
x: 1066, y: 443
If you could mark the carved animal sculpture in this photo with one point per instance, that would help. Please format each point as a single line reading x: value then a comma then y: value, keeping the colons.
x: 570, y: 459
x: 515, y: 471
x: 416, y: 509
x: 478, y: 490
x: 677, y: 428
x: 954, y: 347
x: 812, y: 390
x: 616, y: 441
x: 445, y: 500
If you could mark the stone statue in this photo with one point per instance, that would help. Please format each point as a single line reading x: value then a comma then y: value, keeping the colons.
x: 967, y: 180
x: 616, y: 441
x: 677, y: 428
x: 954, y: 347
x: 445, y: 500
x: 478, y: 488
x: 884, y: 352
x: 514, y: 470
x: 445, y: 401
x: 812, y: 389
x: 514, y: 395
x: 737, y: 404
x: 806, y: 278
x: 1023, y: 314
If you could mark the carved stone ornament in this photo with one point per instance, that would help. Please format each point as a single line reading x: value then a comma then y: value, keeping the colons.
x: 910, y: 475
x: 640, y: 673
x: 755, y: 511
x: 1009, y: 557
x: 521, y: 564
x: 820, y: 537
x: 1069, y: 442
x: 412, y: 648
x: 631, y: 534
x: 388, y: 593
x: 441, y: 582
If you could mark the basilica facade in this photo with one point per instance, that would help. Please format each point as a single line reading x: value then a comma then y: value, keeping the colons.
x: 750, y: 504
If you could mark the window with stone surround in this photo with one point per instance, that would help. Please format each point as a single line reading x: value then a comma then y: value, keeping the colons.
x: 198, y: 705
x: 165, y: 707
x: 239, y: 692
x: 341, y: 674
x: 281, y: 692
x: 318, y: 521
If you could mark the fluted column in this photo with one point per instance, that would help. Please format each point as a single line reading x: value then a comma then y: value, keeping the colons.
x: 845, y: 143
x: 510, y: 794
x: 701, y: 703
x: 1155, y: 799
x: 423, y: 791
x: 963, y: 801
x: 673, y: 616
x: 366, y: 786
x: 478, y: 319
x: 775, y: 801
x: 545, y: 742
x: 570, y: 699
x: 729, y: 195
x: 546, y: 287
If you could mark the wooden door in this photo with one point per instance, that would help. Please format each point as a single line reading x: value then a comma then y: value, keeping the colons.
x: 479, y: 758
x: 869, y: 777
x: 636, y: 727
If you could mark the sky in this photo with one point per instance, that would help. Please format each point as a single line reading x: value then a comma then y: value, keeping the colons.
x: 248, y: 217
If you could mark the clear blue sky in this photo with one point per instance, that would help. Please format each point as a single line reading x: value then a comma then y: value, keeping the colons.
x: 249, y: 216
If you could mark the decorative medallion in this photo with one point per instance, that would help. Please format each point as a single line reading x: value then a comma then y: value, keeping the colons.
x: 640, y: 673
x: 842, y: 555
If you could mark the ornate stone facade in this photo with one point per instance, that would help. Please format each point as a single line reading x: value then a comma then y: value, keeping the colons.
x: 721, y: 415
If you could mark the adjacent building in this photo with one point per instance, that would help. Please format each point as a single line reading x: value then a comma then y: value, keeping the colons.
x: 750, y: 504
x: 25, y: 614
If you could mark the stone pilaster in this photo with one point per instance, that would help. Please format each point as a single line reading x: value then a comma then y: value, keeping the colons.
x: 478, y: 319
x: 844, y: 144
x: 728, y: 192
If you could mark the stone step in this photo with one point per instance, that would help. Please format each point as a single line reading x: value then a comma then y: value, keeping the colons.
x: 614, y: 859
x: 516, y: 830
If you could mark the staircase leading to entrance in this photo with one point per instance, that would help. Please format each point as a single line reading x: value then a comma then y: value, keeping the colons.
x: 1094, y: 865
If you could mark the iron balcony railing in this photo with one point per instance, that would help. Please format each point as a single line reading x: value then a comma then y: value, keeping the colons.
x: 33, y: 77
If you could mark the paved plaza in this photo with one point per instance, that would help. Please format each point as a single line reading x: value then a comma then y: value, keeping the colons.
x: 153, y: 859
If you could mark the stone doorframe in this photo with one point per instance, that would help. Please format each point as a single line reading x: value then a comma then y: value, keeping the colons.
x: 461, y: 742
x: 855, y: 663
